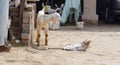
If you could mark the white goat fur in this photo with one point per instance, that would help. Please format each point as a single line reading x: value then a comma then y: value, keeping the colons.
x: 42, y: 22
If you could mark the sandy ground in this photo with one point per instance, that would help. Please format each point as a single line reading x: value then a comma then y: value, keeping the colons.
x: 104, y: 48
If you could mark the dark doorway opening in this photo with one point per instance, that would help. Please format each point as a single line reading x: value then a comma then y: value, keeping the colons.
x: 101, y: 10
x: 108, y: 11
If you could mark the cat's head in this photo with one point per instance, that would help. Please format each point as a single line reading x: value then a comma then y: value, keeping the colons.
x: 87, y: 42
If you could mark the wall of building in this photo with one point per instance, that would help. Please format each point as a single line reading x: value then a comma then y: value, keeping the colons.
x: 89, y: 15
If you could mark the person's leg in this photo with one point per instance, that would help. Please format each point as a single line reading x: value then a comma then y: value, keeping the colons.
x: 77, y: 14
x: 65, y: 15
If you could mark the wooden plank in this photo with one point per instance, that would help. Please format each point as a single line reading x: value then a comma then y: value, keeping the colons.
x: 21, y: 18
x: 25, y: 36
x: 25, y: 41
x: 26, y: 28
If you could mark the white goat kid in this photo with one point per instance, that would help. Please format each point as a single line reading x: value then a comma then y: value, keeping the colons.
x: 51, y: 11
x: 42, y: 22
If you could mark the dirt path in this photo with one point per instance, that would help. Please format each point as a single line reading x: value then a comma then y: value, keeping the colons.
x: 104, y: 48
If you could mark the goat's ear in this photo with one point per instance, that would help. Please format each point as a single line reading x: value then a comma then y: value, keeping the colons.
x: 62, y: 5
x: 56, y: 5
x: 43, y: 5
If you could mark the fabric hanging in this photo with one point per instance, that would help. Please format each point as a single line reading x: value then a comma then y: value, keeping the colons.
x: 76, y: 4
x: 4, y: 5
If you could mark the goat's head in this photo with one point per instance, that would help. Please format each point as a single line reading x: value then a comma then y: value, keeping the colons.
x: 59, y: 9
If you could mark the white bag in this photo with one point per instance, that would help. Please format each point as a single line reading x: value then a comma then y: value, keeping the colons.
x: 56, y: 27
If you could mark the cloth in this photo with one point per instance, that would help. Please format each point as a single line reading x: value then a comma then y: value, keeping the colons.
x: 76, y: 4
x: 4, y: 5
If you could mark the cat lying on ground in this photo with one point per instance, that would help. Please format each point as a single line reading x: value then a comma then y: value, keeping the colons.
x: 78, y: 47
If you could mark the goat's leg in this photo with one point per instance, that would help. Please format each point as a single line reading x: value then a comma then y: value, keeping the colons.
x: 46, y: 36
x: 38, y: 35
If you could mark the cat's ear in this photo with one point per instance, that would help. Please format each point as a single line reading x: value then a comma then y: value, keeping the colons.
x: 89, y: 41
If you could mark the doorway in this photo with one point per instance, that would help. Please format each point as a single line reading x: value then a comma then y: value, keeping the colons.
x: 101, y: 10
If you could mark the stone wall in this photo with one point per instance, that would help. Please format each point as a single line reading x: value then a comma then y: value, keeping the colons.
x: 28, y: 24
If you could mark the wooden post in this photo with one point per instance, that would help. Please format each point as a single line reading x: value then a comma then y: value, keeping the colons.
x: 22, y: 5
x: 90, y: 12
x: 4, y: 11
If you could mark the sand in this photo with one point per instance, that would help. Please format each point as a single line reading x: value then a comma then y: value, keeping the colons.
x: 103, y: 50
